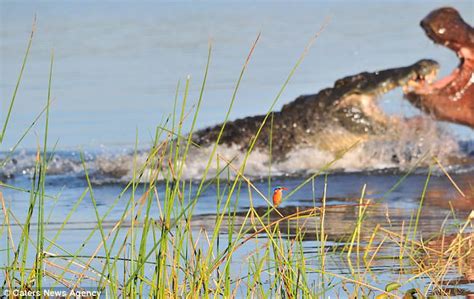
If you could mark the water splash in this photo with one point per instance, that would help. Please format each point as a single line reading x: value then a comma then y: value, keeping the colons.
x: 399, y: 149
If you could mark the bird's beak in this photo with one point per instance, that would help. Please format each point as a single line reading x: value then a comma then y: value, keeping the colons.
x: 284, y: 188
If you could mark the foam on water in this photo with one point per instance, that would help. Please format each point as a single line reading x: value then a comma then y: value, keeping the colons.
x: 399, y: 149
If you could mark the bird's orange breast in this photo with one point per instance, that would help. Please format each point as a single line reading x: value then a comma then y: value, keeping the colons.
x: 277, y: 197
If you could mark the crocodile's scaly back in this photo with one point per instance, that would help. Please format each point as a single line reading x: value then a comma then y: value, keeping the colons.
x: 349, y: 108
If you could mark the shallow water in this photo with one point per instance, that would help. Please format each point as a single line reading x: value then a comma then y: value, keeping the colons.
x: 116, y: 70
x: 393, y: 211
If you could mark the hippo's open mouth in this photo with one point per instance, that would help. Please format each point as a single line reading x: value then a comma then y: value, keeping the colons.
x: 450, y: 98
x: 446, y: 27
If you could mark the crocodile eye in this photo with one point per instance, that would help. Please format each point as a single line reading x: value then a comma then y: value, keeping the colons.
x: 441, y: 30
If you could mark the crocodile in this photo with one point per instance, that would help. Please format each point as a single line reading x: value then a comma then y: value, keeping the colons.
x: 332, y: 119
x: 450, y: 98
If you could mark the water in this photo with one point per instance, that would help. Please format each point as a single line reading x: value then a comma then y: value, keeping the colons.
x: 393, y: 211
x: 111, y: 58
x: 116, y: 69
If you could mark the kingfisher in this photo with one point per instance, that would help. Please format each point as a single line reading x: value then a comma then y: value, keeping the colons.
x: 277, y: 195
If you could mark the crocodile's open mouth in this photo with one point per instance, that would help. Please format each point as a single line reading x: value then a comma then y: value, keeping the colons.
x: 458, y: 79
x: 425, y: 76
